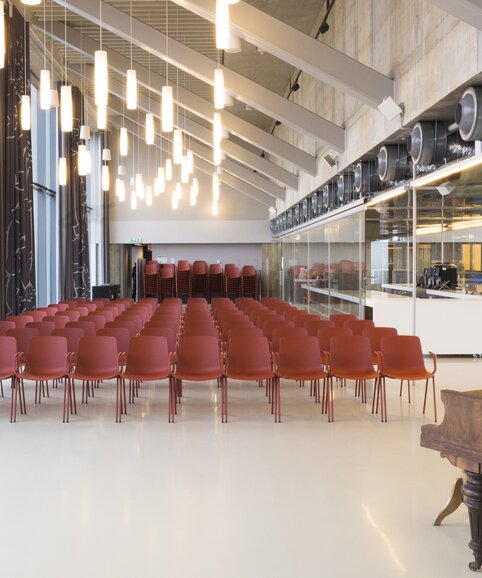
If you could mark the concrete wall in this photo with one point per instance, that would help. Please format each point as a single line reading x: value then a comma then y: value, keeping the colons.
x: 426, y: 51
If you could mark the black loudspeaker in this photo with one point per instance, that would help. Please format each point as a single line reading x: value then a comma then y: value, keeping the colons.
x: 106, y: 291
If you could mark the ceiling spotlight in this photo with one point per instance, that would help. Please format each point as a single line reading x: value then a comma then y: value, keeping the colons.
x: 389, y: 108
x: 263, y: 154
x: 445, y: 188
x: 295, y: 87
x: 272, y: 211
x: 277, y: 123
x: 330, y: 161
x: 323, y: 29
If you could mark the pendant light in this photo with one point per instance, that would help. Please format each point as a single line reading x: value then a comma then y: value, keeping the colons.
x: 217, y: 128
x: 31, y: 2
x: 140, y: 190
x: 66, y: 112
x: 148, y: 196
x: 150, y: 130
x: 179, y: 191
x: 190, y: 161
x: 195, y: 186
x: 215, y: 187
x: 123, y: 142
x: 218, y: 89
x: 25, y: 115
x: 121, y: 171
x: 62, y: 174
x: 101, y: 117
x: 133, y: 200
x: 105, y: 178
x: 234, y: 44
x: 222, y: 24
x: 192, y: 197
x: 217, y: 155
x: 215, y: 208
x: 184, y: 171
x: 161, y: 180
x: 120, y: 189
x: 131, y: 89
x: 228, y: 100
x: 82, y: 161
x: 174, y: 200
x: 101, y: 77
x: 168, y: 170
x: 3, y: 40
x: 45, y: 84
x: 177, y: 147
x: 84, y: 133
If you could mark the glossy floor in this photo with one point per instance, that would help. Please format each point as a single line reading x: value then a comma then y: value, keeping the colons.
x: 246, y: 499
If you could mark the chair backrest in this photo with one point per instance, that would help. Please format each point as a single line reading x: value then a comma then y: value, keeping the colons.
x: 8, y: 352
x: 402, y: 353
x: 72, y: 315
x: 299, y: 354
x: 23, y: 335
x: 73, y: 335
x: 300, y: 320
x: 166, y: 332
x: 166, y: 273
x: 97, y: 320
x: 37, y: 314
x: 280, y: 332
x: 46, y: 355
x: 88, y: 327
x: 61, y: 306
x: 106, y: 313
x: 215, y: 269
x: 326, y: 334
x: 339, y: 319
x: 183, y: 265
x: 20, y: 321
x: 350, y: 353
x: 151, y: 268
x: 248, y: 355
x: 245, y: 331
x: 312, y: 325
x: 199, y: 357
x: 248, y: 271
x: 170, y: 322
x: 44, y: 327
x: 204, y: 329
x: 199, y: 268
x: 376, y: 334
x: 5, y: 326
x: 98, y: 357
x: 357, y: 326
x: 59, y: 321
x: 82, y: 311
x: 272, y: 323
x: 121, y: 334
x: 148, y: 355
x: 134, y: 318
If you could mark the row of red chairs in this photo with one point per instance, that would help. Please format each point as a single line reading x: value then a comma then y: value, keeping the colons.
x: 198, y: 279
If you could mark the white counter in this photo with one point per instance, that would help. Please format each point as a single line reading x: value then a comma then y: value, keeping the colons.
x: 457, y: 294
x: 445, y: 326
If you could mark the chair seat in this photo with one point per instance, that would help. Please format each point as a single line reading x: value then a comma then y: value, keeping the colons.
x: 303, y: 376
x: 421, y: 374
x: 146, y: 376
x: 199, y: 376
x: 356, y: 374
x: 250, y: 376
x: 41, y: 377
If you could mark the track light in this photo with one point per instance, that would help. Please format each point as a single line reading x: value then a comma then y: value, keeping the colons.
x: 295, y: 87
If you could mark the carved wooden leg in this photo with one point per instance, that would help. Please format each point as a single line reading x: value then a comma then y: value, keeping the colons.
x: 454, y: 502
x: 472, y: 492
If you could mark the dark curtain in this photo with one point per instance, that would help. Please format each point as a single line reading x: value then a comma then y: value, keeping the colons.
x: 17, y: 259
x: 73, y: 233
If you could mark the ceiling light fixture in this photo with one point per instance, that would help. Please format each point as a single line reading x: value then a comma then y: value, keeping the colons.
x: 150, y: 130
x: 62, y: 174
x: 177, y: 147
x: 448, y: 170
x: 385, y: 196
x: 123, y: 142
x: 25, y: 112
x: 218, y: 89
x: 222, y: 24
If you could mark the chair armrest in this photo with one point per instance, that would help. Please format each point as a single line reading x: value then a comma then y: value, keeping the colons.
x: 18, y: 357
x: 275, y: 361
x: 434, y: 360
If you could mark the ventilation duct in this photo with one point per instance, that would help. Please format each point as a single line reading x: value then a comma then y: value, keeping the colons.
x: 315, y: 208
x: 427, y: 143
x: 392, y: 162
x: 329, y: 196
x: 468, y: 114
x: 344, y: 187
x: 365, y: 177
x: 304, y: 210
x: 295, y: 215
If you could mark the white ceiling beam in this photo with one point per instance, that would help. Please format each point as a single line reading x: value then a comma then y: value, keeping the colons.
x: 229, y: 181
x: 116, y: 88
x: 469, y: 11
x: 300, y: 50
x: 201, y: 107
x: 155, y: 42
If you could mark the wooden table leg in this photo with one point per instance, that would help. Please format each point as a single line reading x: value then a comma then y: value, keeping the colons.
x: 472, y: 492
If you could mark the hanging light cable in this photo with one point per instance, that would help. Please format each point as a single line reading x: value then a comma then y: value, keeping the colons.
x: 45, y: 85
x: 167, y: 103
x: 25, y: 113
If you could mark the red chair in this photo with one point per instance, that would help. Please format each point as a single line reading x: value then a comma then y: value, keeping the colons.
x: 358, y: 326
x: 200, y: 329
x: 198, y: 358
x: 106, y: 312
x: 97, y: 320
x: 20, y: 321
x: 339, y: 319
x: 183, y: 280
x: 215, y: 281
x: 200, y: 278
x: 133, y: 318
x: 82, y: 311
x: 350, y: 357
x: 123, y: 338
x: 72, y: 315
x: 37, y: 314
x: 280, y: 332
x: 232, y: 282
x: 97, y: 360
x: 272, y: 323
x: 5, y: 326
x: 313, y: 325
x: 23, y: 335
x: 326, y: 334
x: 301, y: 320
x: 45, y: 328
x: 148, y: 359
x: 167, y: 283
x: 249, y: 281
x: 248, y: 358
x: 9, y: 366
x: 375, y: 335
x: 244, y: 332
x: 166, y: 332
x: 90, y: 306
x: 60, y: 307
x: 88, y: 327
x: 45, y: 359
x: 299, y: 358
x: 402, y: 358
x: 59, y: 321
x: 73, y: 335
x: 151, y: 279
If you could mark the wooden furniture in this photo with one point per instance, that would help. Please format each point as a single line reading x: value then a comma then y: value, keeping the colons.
x: 459, y: 439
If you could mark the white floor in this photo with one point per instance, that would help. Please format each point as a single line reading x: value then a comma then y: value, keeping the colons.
x: 250, y: 498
